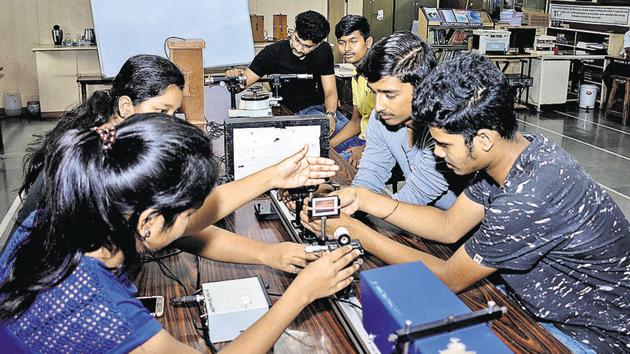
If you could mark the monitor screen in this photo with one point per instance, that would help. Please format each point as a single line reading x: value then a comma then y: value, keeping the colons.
x: 252, y: 144
x: 522, y: 38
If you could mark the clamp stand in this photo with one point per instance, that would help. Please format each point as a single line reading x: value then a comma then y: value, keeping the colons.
x: 299, y: 193
x: 234, y: 84
x: 407, y: 334
x: 322, y: 235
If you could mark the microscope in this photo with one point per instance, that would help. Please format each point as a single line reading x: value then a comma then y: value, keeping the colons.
x: 254, y: 102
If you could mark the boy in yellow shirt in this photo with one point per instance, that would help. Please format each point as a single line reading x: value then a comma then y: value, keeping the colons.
x: 353, y: 36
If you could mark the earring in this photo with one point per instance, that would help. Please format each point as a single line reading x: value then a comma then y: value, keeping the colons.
x: 146, y: 235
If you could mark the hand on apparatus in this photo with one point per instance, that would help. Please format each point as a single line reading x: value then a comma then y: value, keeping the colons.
x: 349, y: 199
x: 300, y: 170
x: 287, y: 256
x: 327, y: 275
x: 315, y: 225
x: 288, y: 199
x: 234, y: 72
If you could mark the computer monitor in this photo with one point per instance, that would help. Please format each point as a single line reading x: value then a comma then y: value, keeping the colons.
x: 522, y: 38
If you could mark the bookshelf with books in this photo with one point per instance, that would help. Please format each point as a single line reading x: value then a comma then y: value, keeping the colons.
x: 449, y: 29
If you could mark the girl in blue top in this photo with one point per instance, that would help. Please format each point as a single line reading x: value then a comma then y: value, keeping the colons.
x: 112, y: 194
x: 147, y: 84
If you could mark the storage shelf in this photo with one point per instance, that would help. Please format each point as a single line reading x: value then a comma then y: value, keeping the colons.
x: 456, y: 26
x: 591, y: 49
x: 54, y: 48
x: 448, y: 36
x: 449, y: 46
x: 577, y: 30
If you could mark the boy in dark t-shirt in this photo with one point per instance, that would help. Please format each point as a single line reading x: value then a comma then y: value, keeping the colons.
x: 559, y: 241
x: 278, y: 58
x: 304, y: 52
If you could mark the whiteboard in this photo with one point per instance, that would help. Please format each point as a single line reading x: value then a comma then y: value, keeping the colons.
x: 125, y: 28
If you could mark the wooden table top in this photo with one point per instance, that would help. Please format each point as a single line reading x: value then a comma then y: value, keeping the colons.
x: 317, y: 330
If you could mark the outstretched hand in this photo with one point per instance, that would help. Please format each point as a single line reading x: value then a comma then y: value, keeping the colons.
x: 300, y: 170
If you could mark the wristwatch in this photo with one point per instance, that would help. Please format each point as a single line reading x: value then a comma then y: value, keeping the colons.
x: 333, y: 123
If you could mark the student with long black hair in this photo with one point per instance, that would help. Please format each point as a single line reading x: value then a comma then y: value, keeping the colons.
x: 149, y: 83
x: 145, y: 83
x: 112, y: 194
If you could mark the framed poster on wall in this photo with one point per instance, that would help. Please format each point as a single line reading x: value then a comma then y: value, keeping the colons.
x: 597, y: 15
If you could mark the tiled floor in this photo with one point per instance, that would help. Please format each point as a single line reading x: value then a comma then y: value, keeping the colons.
x: 602, y: 147
x: 17, y: 133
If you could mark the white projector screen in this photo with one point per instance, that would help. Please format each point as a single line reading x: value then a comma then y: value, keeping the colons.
x: 125, y: 28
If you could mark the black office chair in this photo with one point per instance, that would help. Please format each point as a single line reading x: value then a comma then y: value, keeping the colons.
x: 397, y: 176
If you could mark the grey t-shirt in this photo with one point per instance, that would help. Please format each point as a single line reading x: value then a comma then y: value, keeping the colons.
x: 561, y: 244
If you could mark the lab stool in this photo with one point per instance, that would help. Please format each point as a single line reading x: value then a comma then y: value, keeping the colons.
x: 624, y: 82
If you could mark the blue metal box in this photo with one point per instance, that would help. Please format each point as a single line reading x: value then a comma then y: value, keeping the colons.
x: 410, y: 291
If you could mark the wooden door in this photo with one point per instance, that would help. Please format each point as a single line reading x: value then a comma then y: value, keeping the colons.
x: 380, y: 15
x: 336, y: 10
x: 258, y: 27
x: 280, y: 30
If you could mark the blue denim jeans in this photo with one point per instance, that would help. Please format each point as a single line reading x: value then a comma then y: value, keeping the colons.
x: 571, y: 343
x: 341, y: 122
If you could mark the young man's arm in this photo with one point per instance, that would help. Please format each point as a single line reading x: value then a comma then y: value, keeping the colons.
x: 377, y: 160
x: 445, y: 226
x: 353, y: 128
x: 458, y: 272
x: 329, y: 85
x: 260, y: 66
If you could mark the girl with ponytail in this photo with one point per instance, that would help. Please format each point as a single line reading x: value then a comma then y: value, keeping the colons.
x: 149, y: 83
x: 113, y: 193
x: 145, y: 83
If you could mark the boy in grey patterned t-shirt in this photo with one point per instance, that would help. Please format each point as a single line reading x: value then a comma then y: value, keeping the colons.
x: 559, y: 241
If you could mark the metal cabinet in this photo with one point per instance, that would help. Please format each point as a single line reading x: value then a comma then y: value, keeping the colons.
x: 406, y: 11
x: 380, y: 15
